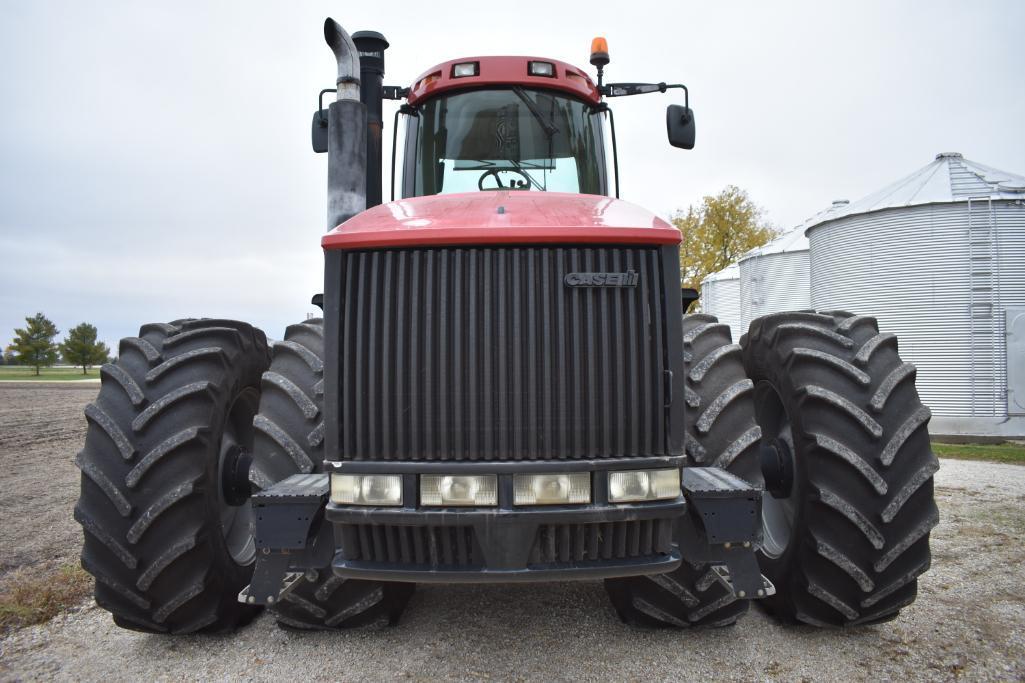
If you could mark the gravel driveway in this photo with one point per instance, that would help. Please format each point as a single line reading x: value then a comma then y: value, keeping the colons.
x: 969, y: 622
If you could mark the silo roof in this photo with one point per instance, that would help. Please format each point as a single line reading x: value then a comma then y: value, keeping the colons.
x: 948, y: 178
x: 730, y: 272
x: 794, y: 239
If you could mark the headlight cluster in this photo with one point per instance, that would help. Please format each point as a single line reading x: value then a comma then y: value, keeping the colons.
x: 366, y: 489
x: 481, y: 490
x: 631, y: 486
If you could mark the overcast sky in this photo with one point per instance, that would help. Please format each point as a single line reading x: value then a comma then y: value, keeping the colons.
x: 155, y: 159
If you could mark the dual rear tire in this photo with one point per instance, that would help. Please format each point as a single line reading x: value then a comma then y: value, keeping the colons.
x: 192, y: 417
x: 818, y: 409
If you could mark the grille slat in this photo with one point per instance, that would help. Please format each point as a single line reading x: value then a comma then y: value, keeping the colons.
x: 485, y: 353
x: 562, y: 543
x: 657, y: 412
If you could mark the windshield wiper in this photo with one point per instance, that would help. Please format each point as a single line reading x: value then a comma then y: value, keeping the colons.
x: 548, y: 127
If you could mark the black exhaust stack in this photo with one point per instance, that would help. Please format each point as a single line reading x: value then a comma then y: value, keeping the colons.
x: 347, y: 134
x: 371, y: 46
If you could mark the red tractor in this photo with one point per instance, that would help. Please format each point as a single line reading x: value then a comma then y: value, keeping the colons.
x: 503, y: 387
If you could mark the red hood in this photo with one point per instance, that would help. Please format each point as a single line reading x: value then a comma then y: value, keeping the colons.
x: 501, y: 218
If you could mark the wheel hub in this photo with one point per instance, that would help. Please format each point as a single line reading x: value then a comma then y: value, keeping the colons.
x: 777, y: 467
x: 778, y: 464
x: 235, y: 466
x: 233, y: 488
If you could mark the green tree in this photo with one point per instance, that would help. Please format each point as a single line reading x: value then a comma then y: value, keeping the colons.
x: 81, y: 347
x: 34, y: 344
x: 718, y: 232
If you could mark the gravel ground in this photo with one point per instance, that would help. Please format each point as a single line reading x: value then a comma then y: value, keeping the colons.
x: 969, y: 622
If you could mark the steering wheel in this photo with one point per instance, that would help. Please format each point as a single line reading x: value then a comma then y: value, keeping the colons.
x: 513, y: 183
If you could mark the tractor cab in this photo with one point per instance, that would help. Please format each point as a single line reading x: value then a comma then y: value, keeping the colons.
x: 504, y: 123
x: 504, y: 138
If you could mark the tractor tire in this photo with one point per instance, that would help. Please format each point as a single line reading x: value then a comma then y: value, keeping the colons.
x: 289, y: 440
x: 168, y: 553
x: 849, y: 505
x: 721, y: 432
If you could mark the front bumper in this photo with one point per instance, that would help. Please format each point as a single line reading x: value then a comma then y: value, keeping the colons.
x: 716, y: 519
x: 505, y: 543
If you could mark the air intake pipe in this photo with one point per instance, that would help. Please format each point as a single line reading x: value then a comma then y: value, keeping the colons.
x: 371, y: 46
x: 347, y: 134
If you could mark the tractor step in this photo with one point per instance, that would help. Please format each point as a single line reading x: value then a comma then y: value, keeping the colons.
x: 728, y: 513
x: 289, y: 518
x: 729, y: 506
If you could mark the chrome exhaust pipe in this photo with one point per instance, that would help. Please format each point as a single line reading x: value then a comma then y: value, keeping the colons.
x: 340, y: 42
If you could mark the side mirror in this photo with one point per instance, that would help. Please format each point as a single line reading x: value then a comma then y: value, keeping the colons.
x: 680, y: 126
x: 319, y: 132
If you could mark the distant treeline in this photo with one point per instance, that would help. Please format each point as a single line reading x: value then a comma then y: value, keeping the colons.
x: 34, y: 345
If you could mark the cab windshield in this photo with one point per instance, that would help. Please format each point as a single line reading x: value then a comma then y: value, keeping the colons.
x: 509, y: 139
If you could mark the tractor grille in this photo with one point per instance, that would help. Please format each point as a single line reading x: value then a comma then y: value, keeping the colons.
x: 434, y: 546
x: 486, y: 354
x: 557, y: 543
x: 455, y: 547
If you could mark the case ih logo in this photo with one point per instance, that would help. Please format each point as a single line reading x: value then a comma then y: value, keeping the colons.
x: 627, y: 279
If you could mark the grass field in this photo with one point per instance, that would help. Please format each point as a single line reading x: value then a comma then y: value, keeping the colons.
x: 32, y: 595
x: 20, y: 373
x: 1012, y: 453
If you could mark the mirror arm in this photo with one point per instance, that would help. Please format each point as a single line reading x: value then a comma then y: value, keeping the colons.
x: 686, y: 93
x: 627, y: 89
x: 394, y: 92
x: 320, y: 104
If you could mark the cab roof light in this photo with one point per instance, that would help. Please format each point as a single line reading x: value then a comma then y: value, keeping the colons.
x: 599, y: 52
x: 545, y: 69
x: 465, y: 69
x: 428, y: 79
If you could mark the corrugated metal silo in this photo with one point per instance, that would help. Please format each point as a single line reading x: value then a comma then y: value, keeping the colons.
x: 939, y: 258
x: 775, y: 277
x: 720, y: 296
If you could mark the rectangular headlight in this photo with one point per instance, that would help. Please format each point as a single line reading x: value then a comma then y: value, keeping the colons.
x: 465, y: 69
x: 632, y: 486
x: 546, y: 69
x: 366, y: 489
x: 463, y: 489
x: 552, y: 489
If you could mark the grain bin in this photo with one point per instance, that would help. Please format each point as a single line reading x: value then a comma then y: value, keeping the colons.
x: 939, y: 258
x: 720, y: 296
x: 774, y: 277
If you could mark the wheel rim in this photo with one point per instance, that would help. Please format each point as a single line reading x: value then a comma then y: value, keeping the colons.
x: 780, y: 505
x: 236, y: 520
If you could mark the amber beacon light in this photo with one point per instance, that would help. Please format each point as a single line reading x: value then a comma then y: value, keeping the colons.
x: 599, y: 52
